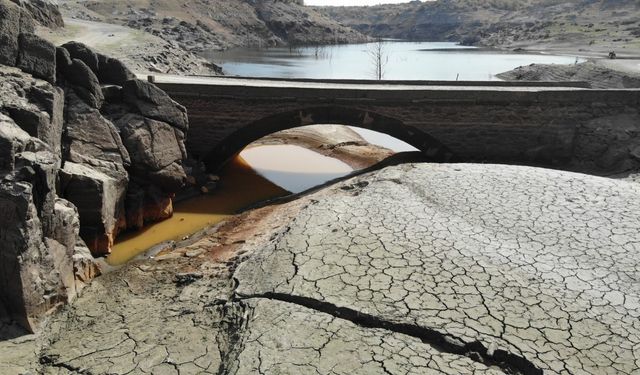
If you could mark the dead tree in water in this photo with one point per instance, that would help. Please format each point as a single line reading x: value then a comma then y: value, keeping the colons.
x: 379, y: 57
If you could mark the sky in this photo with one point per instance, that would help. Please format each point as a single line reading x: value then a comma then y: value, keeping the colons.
x: 353, y: 2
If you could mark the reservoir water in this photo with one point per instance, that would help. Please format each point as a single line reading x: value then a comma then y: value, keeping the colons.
x: 402, y: 61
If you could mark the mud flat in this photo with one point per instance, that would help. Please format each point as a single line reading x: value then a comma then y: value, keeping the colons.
x: 410, y: 269
x: 601, y: 74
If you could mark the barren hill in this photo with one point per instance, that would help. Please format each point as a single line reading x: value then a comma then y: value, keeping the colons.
x: 214, y: 24
x: 599, y: 24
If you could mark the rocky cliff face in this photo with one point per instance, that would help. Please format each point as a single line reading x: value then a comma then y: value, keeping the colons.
x: 86, y: 151
x: 598, y: 76
x: 215, y: 24
x: 607, y: 23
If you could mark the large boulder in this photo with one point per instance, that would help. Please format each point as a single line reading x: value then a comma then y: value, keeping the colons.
x: 92, y: 139
x: 94, y: 177
x: 107, y: 69
x: 9, y: 31
x: 85, y: 81
x: 154, y: 103
x: 30, y: 272
x: 14, y: 20
x: 54, y: 219
x: 35, y: 105
x: 83, y: 53
x: 100, y: 201
x: 37, y: 57
x: 40, y: 169
x: 153, y: 146
x: 66, y: 231
x: 13, y: 140
x: 145, y: 205
x: 45, y: 12
x: 113, y: 71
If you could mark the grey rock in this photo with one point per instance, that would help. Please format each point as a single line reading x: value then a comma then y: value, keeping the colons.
x: 66, y: 231
x: 44, y: 12
x: 113, y: 71
x: 66, y: 223
x: 154, y: 103
x: 112, y: 94
x: 146, y: 204
x: 40, y: 169
x: 9, y: 31
x: 13, y: 140
x: 170, y: 179
x: 83, y: 53
x: 86, y: 83
x: 30, y: 282
x: 107, y: 69
x: 37, y: 57
x: 92, y: 139
x: 100, y: 201
x: 152, y: 144
x: 85, y: 267
x: 63, y: 59
x: 27, y: 23
x: 35, y: 105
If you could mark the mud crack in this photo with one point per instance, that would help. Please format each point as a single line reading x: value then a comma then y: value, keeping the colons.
x: 507, y: 362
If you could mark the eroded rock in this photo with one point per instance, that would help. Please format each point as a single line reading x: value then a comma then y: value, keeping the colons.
x: 154, y: 103
x: 37, y: 57
x: 113, y: 71
x: 85, y: 82
x: 32, y: 272
x: 99, y: 198
x: 9, y: 31
x: 92, y: 139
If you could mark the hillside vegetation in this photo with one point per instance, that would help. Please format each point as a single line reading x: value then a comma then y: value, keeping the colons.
x: 600, y: 24
x: 213, y: 24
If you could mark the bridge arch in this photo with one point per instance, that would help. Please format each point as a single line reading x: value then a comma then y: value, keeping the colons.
x: 220, y: 153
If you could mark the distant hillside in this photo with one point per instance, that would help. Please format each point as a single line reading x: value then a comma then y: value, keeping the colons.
x: 218, y: 24
x: 599, y: 23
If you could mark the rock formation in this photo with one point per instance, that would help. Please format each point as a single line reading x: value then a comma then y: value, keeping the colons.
x: 87, y: 151
x: 414, y: 269
x: 583, y: 25
x: 599, y: 77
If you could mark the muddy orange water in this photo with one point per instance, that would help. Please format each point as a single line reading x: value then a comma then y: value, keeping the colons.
x: 257, y: 174
x: 241, y: 186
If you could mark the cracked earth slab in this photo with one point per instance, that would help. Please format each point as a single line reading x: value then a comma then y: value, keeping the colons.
x: 287, y: 338
x: 415, y: 269
x: 539, y: 264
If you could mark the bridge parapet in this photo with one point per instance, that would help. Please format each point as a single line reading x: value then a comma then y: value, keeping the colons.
x: 562, y: 127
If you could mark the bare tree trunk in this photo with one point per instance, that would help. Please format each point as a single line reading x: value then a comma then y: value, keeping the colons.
x: 379, y: 58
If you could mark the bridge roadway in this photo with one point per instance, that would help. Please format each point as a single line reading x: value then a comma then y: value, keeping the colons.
x: 556, y: 124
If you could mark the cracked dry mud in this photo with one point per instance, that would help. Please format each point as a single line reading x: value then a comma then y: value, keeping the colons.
x: 414, y: 269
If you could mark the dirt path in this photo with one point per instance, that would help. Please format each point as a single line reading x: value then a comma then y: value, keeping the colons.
x: 141, y: 51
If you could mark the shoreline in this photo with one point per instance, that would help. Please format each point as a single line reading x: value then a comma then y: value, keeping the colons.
x: 335, y: 141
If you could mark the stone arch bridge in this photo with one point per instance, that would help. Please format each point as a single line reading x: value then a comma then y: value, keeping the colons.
x: 562, y: 125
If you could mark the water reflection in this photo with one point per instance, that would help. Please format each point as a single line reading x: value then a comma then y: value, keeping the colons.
x: 240, y: 187
x: 257, y: 174
x: 407, y: 60
x: 304, y: 168
x: 383, y: 140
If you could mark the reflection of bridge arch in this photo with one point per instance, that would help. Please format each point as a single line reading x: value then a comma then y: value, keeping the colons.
x: 234, y: 143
